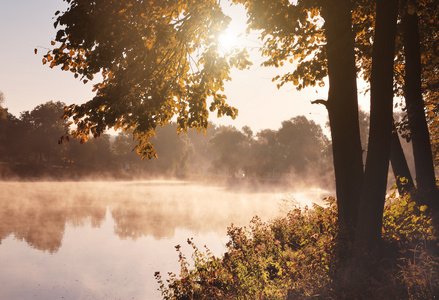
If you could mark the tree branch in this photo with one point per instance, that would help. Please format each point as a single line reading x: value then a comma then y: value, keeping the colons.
x: 320, y: 101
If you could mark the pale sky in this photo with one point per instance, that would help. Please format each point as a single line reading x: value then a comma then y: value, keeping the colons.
x: 26, y: 82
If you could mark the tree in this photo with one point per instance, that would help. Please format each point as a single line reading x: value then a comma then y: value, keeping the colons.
x: 92, y: 158
x: 294, y: 31
x: 40, y: 128
x: 301, y: 145
x: 343, y: 24
x: 122, y: 149
x: 428, y: 30
x: 374, y: 186
x: 264, y: 153
x: 230, y: 146
x: 403, y: 177
x: 202, y: 156
x: 414, y: 80
x: 342, y: 107
x: 425, y: 176
x: 157, y: 61
x: 47, y: 127
x: 16, y: 135
x: 145, y: 56
x: 174, y: 151
x: 3, y: 125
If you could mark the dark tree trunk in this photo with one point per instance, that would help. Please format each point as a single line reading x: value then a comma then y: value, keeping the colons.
x: 399, y: 165
x: 425, y: 176
x: 342, y: 108
x: 374, y: 186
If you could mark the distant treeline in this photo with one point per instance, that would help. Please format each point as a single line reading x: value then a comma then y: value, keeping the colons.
x: 30, y: 148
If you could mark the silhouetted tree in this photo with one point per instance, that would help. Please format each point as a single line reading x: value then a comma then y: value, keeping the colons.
x: 123, y: 148
x: 230, y: 146
x: 91, y: 158
x: 46, y: 129
x: 301, y: 145
x: 202, y: 156
x: 175, y: 151
x: 264, y: 154
x: 424, y: 168
x: 3, y: 127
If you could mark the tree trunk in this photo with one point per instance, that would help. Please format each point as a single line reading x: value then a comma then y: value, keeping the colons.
x: 399, y: 165
x: 425, y: 176
x: 342, y: 108
x: 374, y: 186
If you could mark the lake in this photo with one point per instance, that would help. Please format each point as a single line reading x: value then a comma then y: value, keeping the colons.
x: 105, y: 240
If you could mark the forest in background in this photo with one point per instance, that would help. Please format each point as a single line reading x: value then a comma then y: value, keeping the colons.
x: 31, y: 149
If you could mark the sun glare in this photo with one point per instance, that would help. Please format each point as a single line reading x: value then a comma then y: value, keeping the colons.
x: 229, y: 40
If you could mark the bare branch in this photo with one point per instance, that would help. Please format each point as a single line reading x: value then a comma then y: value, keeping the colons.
x: 320, y: 101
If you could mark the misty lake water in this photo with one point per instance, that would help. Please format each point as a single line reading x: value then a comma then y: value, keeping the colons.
x: 105, y: 240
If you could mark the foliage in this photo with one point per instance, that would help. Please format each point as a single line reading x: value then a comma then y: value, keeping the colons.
x: 297, y: 256
x: 293, y: 254
x: 301, y: 143
x: 3, y: 124
x: 32, y: 143
x: 291, y: 31
x: 176, y: 149
x: 160, y: 60
x: 40, y: 128
x: 410, y: 229
x: 203, y: 156
x: 297, y: 148
x: 229, y: 145
x: 156, y: 61
x: 406, y: 223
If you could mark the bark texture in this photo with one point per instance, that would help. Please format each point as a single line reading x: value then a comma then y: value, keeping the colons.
x: 425, y: 176
x: 399, y: 165
x: 342, y: 108
x: 373, y: 193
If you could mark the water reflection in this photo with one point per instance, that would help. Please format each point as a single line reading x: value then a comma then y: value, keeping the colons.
x: 38, y: 212
x: 104, y: 240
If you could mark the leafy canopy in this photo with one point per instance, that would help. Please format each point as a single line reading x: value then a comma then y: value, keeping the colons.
x: 291, y: 31
x: 160, y: 60
x: 156, y: 59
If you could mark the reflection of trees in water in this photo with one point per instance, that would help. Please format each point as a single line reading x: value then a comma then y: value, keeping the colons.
x: 41, y: 228
x: 196, y: 208
x: 39, y: 212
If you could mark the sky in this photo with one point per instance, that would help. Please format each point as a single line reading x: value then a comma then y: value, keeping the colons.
x: 26, y: 25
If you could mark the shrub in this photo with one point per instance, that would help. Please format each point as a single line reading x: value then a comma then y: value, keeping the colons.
x: 267, y: 260
x: 296, y: 257
x: 410, y: 229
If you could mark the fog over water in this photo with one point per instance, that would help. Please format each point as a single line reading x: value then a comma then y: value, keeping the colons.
x: 105, y: 240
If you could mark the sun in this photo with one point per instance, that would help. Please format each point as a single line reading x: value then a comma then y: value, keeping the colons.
x: 229, y: 40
